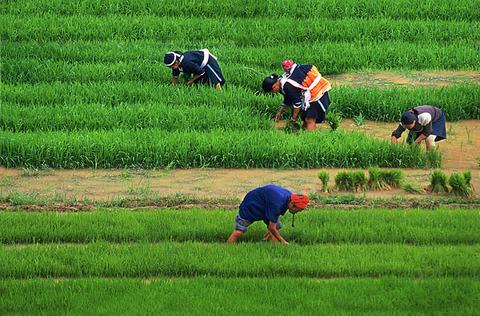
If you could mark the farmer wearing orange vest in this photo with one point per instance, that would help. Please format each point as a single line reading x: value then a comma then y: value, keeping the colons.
x: 304, y: 89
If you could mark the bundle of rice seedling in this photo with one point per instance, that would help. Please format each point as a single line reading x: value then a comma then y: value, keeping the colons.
x: 350, y: 181
x: 438, y: 182
x: 324, y: 177
x: 459, y: 185
x: 410, y: 188
x: 392, y: 178
x: 375, y: 181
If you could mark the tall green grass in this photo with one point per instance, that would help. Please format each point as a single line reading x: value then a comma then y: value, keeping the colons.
x: 236, y: 149
x: 313, y: 226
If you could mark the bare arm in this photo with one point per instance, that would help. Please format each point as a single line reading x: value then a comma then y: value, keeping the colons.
x: 174, y: 80
x: 296, y: 112
x: 272, y: 228
x: 420, y: 138
x: 194, y: 78
x: 279, y: 113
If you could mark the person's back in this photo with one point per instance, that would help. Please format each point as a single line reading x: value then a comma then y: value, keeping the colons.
x: 265, y: 203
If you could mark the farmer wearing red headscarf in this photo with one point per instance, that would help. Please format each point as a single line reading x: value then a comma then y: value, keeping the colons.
x: 266, y: 204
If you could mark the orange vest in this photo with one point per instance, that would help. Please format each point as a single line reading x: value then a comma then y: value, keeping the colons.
x: 320, y: 84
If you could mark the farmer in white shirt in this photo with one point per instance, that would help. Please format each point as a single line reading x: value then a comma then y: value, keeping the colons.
x: 425, y: 123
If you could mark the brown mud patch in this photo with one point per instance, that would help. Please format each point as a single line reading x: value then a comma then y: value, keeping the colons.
x: 384, y: 79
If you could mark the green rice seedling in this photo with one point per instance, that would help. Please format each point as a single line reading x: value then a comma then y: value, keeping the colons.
x: 362, y: 226
x: 410, y: 188
x: 331, y: 57
x: 244, y: 32
x: 350, y: 181
x: 349, y: 101
x: 467, y: 175
x: 292, y: 127
x: 334, y: 119
x: 213, y: 294
x: 324, y: 177
x: 438, y: 182
x: 189, y: 259
x: 344, y: 181
x: 392, y: 178
x: 359, y: 120
x: 150, y: 148
x: 440, y: 10
x: 181, y: 117
x: 375, y: 180
x: 459, y: 185
x: 359, y: 180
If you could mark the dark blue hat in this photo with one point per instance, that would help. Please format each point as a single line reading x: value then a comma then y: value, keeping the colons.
x: 170, y: 58
x: 408, y: 118
x: 268, y: 82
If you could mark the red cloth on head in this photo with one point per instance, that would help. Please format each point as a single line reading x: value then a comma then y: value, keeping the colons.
x: 300, y: 201
x: 287, y: 64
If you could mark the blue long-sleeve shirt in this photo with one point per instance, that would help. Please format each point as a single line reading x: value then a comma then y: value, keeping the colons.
x: 266, y: 203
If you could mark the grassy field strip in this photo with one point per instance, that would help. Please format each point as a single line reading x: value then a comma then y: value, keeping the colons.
x: 416, y: 226
x: 219, y: 296
x: 247, y: 259
x: 234, y: 31
x: 334, y: 9
x: 240, y: 65
x: 458, y: 102
x: 168, y: 117
x: 236, y: 149
x: 364, y: 55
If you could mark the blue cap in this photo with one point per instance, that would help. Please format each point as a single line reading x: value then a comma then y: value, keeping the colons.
x: 268, y: 82
x: 170, y: 58
x: 408, y: 118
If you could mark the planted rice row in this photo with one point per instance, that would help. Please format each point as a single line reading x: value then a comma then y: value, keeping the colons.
x: 233, y: 149
x: 243, y: 260
x: 334, y: 9
x: 237, y: 32
x: 458, y: 102
x: 313, y: 226
x: 167, y: 117
x: 241, y: 68
x: 213, y: 295
x: 330, y: 57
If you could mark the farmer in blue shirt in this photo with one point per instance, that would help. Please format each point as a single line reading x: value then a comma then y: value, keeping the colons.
x: 198, y: 65
x: 267, y: 204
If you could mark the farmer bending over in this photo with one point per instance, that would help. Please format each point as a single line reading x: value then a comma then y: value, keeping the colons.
x: 425, y: 123
x: 198, y: 65
x: 304, y: 89
x: 267, y: 204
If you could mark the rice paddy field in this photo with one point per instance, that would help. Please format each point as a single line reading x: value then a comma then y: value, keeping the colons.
x: 119, y: 190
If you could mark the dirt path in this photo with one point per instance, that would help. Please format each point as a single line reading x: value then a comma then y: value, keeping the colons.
x: 460, y: 153
x: 413, y: 78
